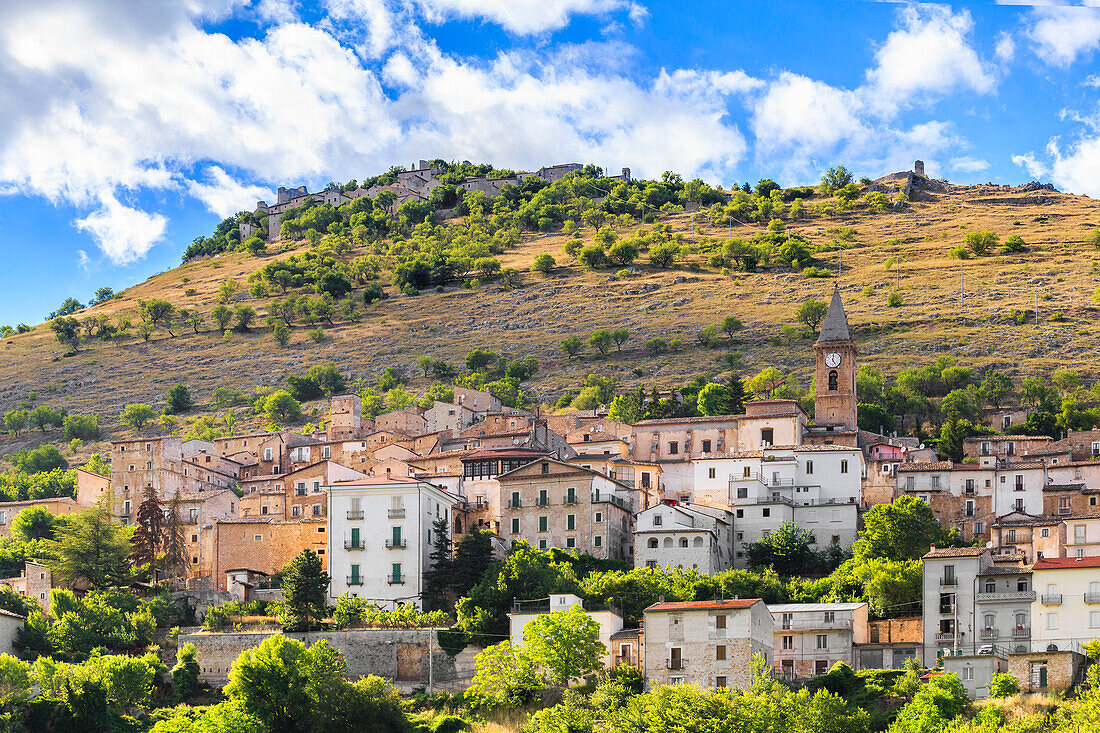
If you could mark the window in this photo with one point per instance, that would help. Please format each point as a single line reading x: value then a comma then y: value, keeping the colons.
x: 844, y: 465
x: 326, y: 452
x: 599, y: 517
x: 968, y: 673
x: 545, y: 468
x: 267, y: 454
x: 295, y: 510
x: 935, y: 482
x: 1019, y: 483
x: 542, y: 544
x: 767, y: 436
x: 834, y: 380
x: 658, y: 520
x: 720, y: 621
x: 570, y: 541
x: 1094, y: 619
x: 257, y: 538
x: 720, y: 653
x: 542, y: 524
x: 822, y: 641
x: 809, y: 467
x: 515, y: 525
x: 316, y: 510
x: 571, y: 521
x: 706, y: 448
x: 300, y: 488
x: 788, y: 642
x: 720, y: 682
x: 1052, y: 620
x: 673, y: 448
x: 767, y: 512
x: 830, y: 617
x: 711, y: 473
x: 683, y: 542
x: 742, y: 492
x: 910, y: 483
x: 990, y: 619
x: 652, y: 544
x: 597, y: 541
x: 969, y: 510
x: 126, y: 507
x: 740, y: 513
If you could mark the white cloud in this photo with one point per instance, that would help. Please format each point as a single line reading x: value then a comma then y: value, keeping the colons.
x: 969, y: 165
x: 1006, y: 47
x: 224, y: 195
x: 123, y: 233
x: 529, y: 16
x: 1092, y: 80
x: 1075, y: 169
x: 929, y: 55
x: 1061, y: 35
x: 1031, y: 164
x: 806, y: 118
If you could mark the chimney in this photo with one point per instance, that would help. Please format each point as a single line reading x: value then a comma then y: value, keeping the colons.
x: 660, y: 599
x: 932, y: 547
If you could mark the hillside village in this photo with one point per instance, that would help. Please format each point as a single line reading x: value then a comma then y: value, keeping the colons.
x: 1019, y: 593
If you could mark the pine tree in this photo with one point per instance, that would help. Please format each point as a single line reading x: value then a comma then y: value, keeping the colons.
x: 93, y: 548
x: 175, y: 549
x: 736, y: 401
x: 149, y: 531
x: 305, y: 587
x: 437, y: 579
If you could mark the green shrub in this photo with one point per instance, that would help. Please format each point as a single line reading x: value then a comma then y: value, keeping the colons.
x: 959, y: 253
x: 1015, y: 243
x: 894, y: 299
x: 1003, y: 684
x: 815, y: 272
x: 316, y: 335
x: 544, y: 263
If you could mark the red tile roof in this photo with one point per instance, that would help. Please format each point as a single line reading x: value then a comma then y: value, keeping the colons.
x: 1058, y: 563
x: 704, y: 605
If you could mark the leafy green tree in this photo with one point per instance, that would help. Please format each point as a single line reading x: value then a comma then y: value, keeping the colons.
x: 623, y: 253
x: 506, y: 677
x: 281, y: 406
x: 544, y: 263
x: 157, y: 312
x: 480, y: 359
x: 572, y: 346
x: 178, y: 399
x: 713, y: 399
x: 952, y: 435
x: 592, y: 257
x: 93, y: 548
x: 982, y: 243
x: 227, y: 289
x: 222, y: 316
x: 620, y: 336
x: 834, y: 178
x: 305, y: 587
x: 995, y: 387
x: 1003, y: 684
x: 82, y: 427
x: 811, y: 313
x: 510, y: 278
x: 15, y: 420
x: 43, y: 417
x: 45, y: 457
x: 245, y: 315
x: 789, y: 550
x: 473, y: 556
x: 488, y: 267
x: 137, y: 416
x: 34, y: 523
x: 281, y: 333
x: 767, y: 382
x: 933, y: 707
x: 707, y: 336
x: 601, y: 339
x: 901, y: 530
x: 185, y: 675
x: 664, y: 255
x: 565, y: 643
x: 67, y: 332
x: 731, y: 325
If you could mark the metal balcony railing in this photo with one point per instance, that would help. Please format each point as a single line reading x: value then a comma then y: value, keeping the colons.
x: 1092, y: 598
x: 569, y: 499
x: 675, y: 663
x: 988, y: 634
x: 1021, y: 632
x: 948, y: 582
x: 515, y: 503
x: 396, y: 513
x: 392, y: 544
x: 355, y: 580
x: 542, y: 501
x: 946, y: 636
x: 1008, y: 595
x: 395, y: 579
x: 1052, y: 599
x: 355, y: 515
x: 353, y: 544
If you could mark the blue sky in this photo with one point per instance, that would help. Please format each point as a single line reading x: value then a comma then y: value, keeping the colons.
x: 129, y: 127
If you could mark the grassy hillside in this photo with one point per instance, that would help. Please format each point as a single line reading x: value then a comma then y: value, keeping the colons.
x: 980, y: 330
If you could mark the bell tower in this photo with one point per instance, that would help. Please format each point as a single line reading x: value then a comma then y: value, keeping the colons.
x: 836, y: 400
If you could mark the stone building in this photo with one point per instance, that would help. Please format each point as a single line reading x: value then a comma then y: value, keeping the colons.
x: 835, y: 399
x: 706, y: 643
x: 293, y: 495
x: 811, y: 637
x: 264, y: 544
x: 550, y: 503
x: 35, y: 580
x: 57, y: 506
x: 684, y: 536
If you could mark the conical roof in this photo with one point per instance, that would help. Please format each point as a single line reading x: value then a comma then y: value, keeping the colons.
x: 835, y: 325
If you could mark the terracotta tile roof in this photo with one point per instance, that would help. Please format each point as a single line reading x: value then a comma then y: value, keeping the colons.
x: 1013, y: 438
x: 955, y: 552
x: 1064, y: 487
x: 921, y: 466
x: 704, y: 605
x: 1058, y: 563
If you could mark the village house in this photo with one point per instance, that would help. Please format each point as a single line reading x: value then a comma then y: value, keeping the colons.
x: 684, y: 536
x: 480, y: 495
x: 381, y: 535
x: 1023, y: 536
x: 57, y: 506
x: 641, y: 476
x: 550, y: 503
x: 1066, y: 610
x: 296, y: 494
x: 264, y: 544
x: 707, y: 643
x: 90, y: 487
x: 35, y: 580
x: 891, y: 641
x: 811, y: 637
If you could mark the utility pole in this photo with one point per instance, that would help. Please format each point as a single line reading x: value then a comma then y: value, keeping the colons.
x: 962, y: 291
x: 1036, y: 306
x: 431, y: 632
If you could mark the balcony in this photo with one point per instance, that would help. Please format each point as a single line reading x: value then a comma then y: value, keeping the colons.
x: 947, y: 636
x: 948, y: 582
x: 1021, y: 632
x: 395, y: 579
x: 395, y: 514
x: 988, y: 634
x: 1064, y: 510
x: 814, y: 624
x: 515, y: 503
x: 353, y: 544
x: 542, y: 501
x: 1016, y: 595
x: 1051, y: 599
x: 947, y: 609
x: 675, y: 663
x: 355, y: 580
x: 392, y: 544
x: 355, y: 514
x: 1092, y: 598
x: 569, y: 499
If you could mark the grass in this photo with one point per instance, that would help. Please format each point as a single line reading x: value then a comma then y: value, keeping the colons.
x: 572, y: 302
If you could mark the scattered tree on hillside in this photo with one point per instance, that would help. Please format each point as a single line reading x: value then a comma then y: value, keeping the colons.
x: 566, y: 644
x: 811, y: 313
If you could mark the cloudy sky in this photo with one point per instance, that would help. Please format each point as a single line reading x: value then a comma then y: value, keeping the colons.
x: 129, y: 127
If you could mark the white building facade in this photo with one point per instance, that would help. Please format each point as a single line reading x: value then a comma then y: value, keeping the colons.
x: 684, y: 536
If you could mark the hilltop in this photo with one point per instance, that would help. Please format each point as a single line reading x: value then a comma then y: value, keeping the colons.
x: 899, y: 241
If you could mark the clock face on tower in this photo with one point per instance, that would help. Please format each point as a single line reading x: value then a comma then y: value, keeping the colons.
x: 832, y: 360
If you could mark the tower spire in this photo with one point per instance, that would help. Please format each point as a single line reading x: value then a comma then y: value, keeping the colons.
x: 835, y: 325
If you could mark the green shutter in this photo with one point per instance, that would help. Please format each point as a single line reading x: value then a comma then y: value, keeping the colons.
x: 396, y: 536
x: 354, y: 573
x: 542, y: 524
x: 570, y: 521
x: 354, y: 536
x: 515, y: 525
x: 396, y: 572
